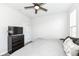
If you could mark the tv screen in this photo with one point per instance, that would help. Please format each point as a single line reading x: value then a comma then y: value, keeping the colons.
x: 15, y: 30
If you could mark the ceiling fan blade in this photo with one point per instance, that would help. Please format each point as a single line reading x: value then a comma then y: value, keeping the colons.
x: 35, y: 3
x: 36, y: 11
x: 41, y: 4
x: 43, y: 9
x: 29, y: 7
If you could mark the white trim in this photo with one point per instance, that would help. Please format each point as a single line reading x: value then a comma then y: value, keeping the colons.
x: 3, y: 53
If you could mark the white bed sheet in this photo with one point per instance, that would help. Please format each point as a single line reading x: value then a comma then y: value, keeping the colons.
x: 42, y: 47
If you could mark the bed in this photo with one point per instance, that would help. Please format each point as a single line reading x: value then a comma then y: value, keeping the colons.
x: 71, y: 46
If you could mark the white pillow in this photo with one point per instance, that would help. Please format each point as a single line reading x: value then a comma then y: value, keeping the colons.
x: 70, y: 48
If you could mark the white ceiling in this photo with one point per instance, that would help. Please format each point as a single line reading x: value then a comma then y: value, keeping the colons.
x: 52, y: 8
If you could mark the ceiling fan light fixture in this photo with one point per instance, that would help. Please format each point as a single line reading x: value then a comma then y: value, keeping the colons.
x: 36, y: 7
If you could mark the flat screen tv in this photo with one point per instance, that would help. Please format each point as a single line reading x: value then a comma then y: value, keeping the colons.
x: 13, y: 30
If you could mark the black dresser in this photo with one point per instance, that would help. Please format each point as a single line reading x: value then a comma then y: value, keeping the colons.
x: 15, y: 38
x: 15, y: 42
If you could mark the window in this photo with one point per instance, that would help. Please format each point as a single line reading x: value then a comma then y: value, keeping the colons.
x: 73, y: 24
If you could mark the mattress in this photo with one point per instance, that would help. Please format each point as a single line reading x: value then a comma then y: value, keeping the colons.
x: 42, y: 47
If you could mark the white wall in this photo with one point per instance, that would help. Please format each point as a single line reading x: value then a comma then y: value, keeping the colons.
x: 11, y: 17
x: 53, y: 26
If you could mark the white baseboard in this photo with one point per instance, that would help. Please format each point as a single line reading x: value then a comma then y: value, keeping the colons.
x: 3, y: 53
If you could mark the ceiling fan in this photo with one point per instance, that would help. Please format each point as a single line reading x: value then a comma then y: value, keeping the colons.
x: 37, y: 6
